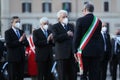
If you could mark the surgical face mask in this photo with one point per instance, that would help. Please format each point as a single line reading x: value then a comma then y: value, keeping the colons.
x: 17, y: 25
x: 45, y: 27
x: 65, y: 21
x: 104, y: 29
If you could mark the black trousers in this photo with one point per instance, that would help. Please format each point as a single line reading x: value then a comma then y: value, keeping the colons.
x: 67, y: 69
x: 16, y: 70
x: 91, y: 66
x: 104, y: 64
x: 44, y: 70
x: 114, y: 64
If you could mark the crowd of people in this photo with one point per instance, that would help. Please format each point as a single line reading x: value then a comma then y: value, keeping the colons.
x: 89, y: 38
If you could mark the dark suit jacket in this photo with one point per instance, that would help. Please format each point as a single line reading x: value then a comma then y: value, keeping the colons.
x: 117, y: 51
x: 63, y: 43
x: 95, y: 45
x: 15, y: 49
x: 1, y: 49
x: 42, y: 48
x: 108, y: 44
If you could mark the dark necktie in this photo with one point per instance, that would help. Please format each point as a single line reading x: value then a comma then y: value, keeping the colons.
x: 106, y: 46
x: 18, y: 34
x: 46, y: 34
x: 105, y: 35
x: 66, y: 28
x: 115, y: 45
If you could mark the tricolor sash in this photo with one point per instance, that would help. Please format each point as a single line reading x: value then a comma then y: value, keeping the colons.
x: 85, y: 39
x: 32, y: 46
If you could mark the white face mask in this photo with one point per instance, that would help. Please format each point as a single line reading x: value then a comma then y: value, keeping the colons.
x: 17, y: 25
x: 65, y: 20
x: 45, y: 27
x: 104, y: 29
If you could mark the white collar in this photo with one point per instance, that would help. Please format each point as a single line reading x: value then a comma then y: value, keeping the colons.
x: 42, y: 29
x: 62, y: 24
x: 103, y: 32
x: 14, y: 29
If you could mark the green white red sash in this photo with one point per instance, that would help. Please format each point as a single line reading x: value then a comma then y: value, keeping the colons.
x: 32, y: 46
x: 85, y: 39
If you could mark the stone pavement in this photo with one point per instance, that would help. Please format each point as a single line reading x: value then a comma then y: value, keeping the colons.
x: 108, y: 76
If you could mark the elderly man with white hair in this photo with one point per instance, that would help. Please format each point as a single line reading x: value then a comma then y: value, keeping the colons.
x: 63, y: 37
x: 43, y: 41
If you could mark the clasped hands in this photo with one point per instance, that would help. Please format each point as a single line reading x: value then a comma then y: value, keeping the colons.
x: 76, y: 58
x: 50, y: 37
x: 70, y: 33
x: 22, y: 37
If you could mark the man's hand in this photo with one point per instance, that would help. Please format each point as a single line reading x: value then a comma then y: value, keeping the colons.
x: 70, y: 33
x: 22, y: 37
x: 50, y: 37
x: 76, y: 58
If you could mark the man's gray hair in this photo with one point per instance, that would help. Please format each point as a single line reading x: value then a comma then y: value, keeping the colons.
x: 60, y: 12
x: 89, y: 6
x: 43, y: 20
x: 14, y: 17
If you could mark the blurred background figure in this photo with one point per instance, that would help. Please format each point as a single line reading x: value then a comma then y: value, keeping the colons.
x: 107, y: 51
x: 30, y: 52
x: 115, y: 61
x: 1, y: 49
x: 1, y: 55
x: 43, y: 41
x: 3, y: 63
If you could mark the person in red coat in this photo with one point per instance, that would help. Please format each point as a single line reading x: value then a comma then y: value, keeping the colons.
x: 32, y: 65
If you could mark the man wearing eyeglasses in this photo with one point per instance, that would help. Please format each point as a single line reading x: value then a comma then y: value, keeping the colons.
x: 15, y: 41
x: 88, y: 42
x: 63, y: 37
